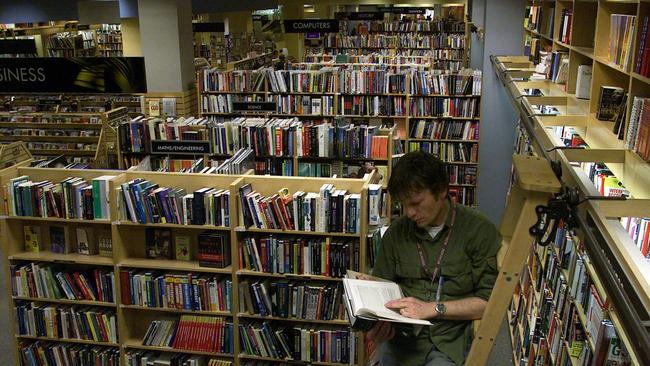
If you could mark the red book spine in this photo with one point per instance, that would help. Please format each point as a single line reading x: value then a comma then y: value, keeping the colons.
x: 77, y: 292
x: 81, y: 286
x: 98, y: 285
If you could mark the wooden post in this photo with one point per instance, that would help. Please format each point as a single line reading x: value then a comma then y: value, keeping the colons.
x: 535, y: 181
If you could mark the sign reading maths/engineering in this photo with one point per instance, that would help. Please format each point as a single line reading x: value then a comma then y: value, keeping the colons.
x: 254, y: 106
x: 180, y: 147
x: 311, y: 25
x: 73, y: 75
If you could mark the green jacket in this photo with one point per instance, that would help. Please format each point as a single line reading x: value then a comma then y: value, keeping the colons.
x: 469, y: 269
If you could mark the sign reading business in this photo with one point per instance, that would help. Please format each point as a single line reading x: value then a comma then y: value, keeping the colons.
x: 180, y: 147
x: 311, y: 25
x: 402, y: 10
x: 215, y: 27
x: 73, y: 75
x: 254, y: 106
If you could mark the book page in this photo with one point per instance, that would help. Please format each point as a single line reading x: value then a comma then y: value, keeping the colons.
x: 369, y: 297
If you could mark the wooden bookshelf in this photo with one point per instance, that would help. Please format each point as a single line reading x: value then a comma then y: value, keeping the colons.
x: 603, y: 146
x: 128, y: 244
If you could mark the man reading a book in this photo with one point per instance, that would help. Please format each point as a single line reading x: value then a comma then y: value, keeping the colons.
x: 443, y: 256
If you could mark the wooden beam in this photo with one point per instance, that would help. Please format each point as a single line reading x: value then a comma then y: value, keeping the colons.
x: 627, y: 208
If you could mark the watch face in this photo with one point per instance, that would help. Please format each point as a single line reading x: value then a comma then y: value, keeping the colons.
x: 441, y: 308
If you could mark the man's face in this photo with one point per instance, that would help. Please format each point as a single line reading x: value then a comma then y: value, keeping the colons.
x: 423, y: 207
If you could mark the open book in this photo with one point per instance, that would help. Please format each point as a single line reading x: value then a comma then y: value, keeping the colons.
x: 365, y: 299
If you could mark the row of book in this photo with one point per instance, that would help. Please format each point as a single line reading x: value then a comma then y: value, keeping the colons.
x: 61, y: 146
x: 444, y: 107
x: 459, y: 174
x: 638, y: 132
x: 292, y: 300
x: 445, y: 130
x: 463, y: 195
x: 565, y: 26
x: 335, y: 40
x: 305, y: 104
x: 370, y: 58
x: 88, y: 240
x: 144, y: 201
x: 50, y: 118
x: 314, y: 344
x: 44, y: 281
x: 191, y: 332
x: 340, y: 169
x: 621, y: 31
x: 339, y: 78
x: 637, y: 228
x: 298, y: 256
x: 66, y: 322
x: 72, y: 198
x: 329, y: 210
x: 146, y: 358
x: 342, y: 141
x: 450, y: 152
x: 642, y: 65
x: 372, y: 105
x: 223, y: 103
x: 187, y: 291
x: 270, y: 166
x: 419, y: 25
x: 61, y: 354
x: 48, y: 132
x: 136, y: 135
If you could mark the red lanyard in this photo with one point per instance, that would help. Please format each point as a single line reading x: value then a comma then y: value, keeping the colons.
x: 423, y: 260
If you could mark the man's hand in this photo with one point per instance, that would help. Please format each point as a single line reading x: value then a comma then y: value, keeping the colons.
x: 413, y: 308
x: 381, y: 332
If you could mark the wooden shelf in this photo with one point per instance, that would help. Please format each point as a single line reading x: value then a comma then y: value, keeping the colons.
x: 135, y: 344
x: 57, y: 220
x: 585, y: 51
x: 41, y: 125
x: 176, y: 311
x: 172, y: 226
x: 250, y: 357
x: 63, y: 152
x: 294, y: 320
x: 611, y: 65
x: 64, y: 139
x: 68, y: 340
x: 170, y: 265
x: 294, y: 232
x: 66, y: 301
x: 640, y: 78
x: 62, y: 258
x: 289, y: 276
x: 442, y: 140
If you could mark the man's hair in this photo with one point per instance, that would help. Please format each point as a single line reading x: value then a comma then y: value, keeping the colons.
x: 416, y: 171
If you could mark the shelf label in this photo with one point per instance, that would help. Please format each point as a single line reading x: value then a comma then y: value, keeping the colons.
x: 374, y: 15
x: 254, y: 106
x: 73, y: 75
x: 180, y: 147
x: 403, y: 10
x: 311, y: 25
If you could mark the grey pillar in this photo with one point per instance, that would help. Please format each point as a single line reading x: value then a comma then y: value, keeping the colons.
x: 166, y: 41
x: 503, y: 36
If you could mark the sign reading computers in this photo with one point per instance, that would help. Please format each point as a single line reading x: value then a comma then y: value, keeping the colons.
x: 311, y: 25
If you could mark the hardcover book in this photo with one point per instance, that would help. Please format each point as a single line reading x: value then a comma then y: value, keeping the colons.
x: 609, y: 102
x: 214, y: 250
x: 105, y: 244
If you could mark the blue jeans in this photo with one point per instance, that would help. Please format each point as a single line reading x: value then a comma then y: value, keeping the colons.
x: 386, y: 357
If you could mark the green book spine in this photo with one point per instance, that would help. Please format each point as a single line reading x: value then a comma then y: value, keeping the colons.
x: 97, y: 204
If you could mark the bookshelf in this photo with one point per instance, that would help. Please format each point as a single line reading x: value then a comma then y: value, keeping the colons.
x: 129, y: 257
x: 73, y: 134
x: 422, y: 105
x: 572, y: 122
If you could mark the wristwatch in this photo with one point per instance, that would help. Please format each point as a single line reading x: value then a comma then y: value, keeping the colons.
x: 441, y: 309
